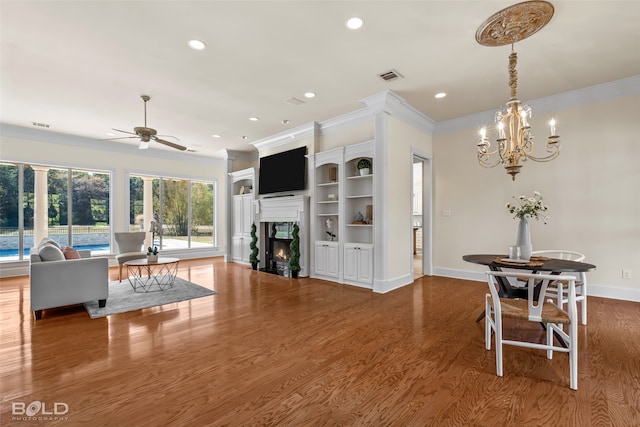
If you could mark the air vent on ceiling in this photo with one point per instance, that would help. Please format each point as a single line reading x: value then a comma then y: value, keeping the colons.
x: 294, y: 101
x: 390, y: 75
x: 40, y: 125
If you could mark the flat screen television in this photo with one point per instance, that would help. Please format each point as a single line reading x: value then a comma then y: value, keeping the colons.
x: 286, y: 171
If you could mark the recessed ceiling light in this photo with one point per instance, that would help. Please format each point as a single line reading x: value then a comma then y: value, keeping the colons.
x: 286, y: 121
x: 111, y: 134
x: 440, y: 95
x: 354, y: 23
x: 244, y: 137
x: 309, y: 94
x: 196, y: 44
x: 215, y: 135
x: 254, y: 119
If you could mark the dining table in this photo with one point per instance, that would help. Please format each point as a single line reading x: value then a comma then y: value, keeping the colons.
x: 536, y: 264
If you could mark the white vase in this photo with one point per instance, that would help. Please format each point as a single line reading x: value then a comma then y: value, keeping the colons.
x: 523, y: 239
x: 152, y: 258
x: 364, y: 171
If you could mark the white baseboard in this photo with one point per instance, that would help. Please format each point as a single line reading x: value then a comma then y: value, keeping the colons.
x: 384, y: 286
x: 595, y: 290
x: 12, y: 269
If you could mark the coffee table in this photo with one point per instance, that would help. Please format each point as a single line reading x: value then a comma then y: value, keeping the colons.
x: 147, y: 276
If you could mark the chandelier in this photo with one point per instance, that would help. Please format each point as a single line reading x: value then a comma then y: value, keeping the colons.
x: 515, y: 142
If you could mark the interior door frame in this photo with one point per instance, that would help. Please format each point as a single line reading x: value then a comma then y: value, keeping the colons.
x: 427, y: 209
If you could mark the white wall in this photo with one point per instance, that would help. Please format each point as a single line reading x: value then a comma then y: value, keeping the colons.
x: 591, y: 189
x: 401, y: 138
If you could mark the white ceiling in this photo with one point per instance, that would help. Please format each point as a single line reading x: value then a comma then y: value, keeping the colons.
x: 81, y: 67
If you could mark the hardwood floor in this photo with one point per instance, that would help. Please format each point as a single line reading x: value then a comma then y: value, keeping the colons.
x: 268, y: 350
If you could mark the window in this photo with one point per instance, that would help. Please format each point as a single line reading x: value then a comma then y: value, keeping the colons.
x: 76, y: 212
x: 183, y: 208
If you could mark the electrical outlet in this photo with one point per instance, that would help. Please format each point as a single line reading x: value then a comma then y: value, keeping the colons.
x: 626, y: 273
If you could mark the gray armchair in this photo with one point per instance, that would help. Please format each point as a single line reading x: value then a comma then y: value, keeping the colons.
x: 129, y: 248
x: 57, y: 282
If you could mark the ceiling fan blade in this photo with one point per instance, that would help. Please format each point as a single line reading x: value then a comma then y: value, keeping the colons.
x: 124, y: 131
x: 121, y: 137
x: 168, y: 136
x: 169, y: 144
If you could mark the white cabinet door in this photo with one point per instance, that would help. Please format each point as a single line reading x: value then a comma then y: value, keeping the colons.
x: 321, y: 259
x: 237, y: 215
x: 242, y: 220
x: 358, y: 263
x: 247, y: 217
x: 236, y: 250
x: 332, y: 260
x: 245, y: 249
x: 350, y: 262
x: 326, y: 259
x: 365, y: 264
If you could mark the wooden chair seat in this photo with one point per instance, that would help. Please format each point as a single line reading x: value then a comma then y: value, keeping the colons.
x: 518, y: 309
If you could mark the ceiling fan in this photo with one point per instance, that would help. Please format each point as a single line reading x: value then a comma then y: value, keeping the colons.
x: 147, y: 134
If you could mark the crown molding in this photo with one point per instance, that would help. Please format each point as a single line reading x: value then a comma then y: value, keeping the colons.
x: 576, y: 98
x: 305, y: 131
x: 347, y: 120
x: 392, y: 103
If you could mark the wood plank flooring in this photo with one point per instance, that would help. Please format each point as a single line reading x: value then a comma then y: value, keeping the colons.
x: 273, y: 351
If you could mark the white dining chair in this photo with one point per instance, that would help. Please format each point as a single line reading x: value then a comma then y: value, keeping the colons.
x: 539, y: 310
x: 558, y: 292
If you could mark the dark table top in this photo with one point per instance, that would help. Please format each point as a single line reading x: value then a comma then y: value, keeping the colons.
x: 553, y: 265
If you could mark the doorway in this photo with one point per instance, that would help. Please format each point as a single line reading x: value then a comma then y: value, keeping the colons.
x: 421, y: 215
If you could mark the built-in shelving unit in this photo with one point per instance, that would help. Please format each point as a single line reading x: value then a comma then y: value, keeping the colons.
x: 343, y: 206
x: 358, y: 214
x: 327, y: 212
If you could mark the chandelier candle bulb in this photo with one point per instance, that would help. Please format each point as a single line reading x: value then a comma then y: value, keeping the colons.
x: 552, y: 125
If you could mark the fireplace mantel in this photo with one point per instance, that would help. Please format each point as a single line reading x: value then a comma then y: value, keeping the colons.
x: 287, y: 209
x: 284, y: 209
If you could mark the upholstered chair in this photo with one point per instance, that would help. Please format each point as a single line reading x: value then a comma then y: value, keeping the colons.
x: 129, y: 248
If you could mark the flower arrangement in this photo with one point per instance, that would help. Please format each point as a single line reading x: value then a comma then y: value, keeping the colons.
x: 529, y: 207
x: 152, y: 250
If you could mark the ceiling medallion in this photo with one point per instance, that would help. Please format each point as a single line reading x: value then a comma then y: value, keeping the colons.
x: 514, y: 23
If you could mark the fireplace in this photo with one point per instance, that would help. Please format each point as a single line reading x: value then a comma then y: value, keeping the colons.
x: 277, y: 216
x: 278, y: 248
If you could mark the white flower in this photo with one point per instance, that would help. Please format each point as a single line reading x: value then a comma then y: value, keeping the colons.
x: 528, y: 207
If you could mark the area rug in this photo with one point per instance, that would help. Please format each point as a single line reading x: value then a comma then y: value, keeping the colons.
x: 122, y: 298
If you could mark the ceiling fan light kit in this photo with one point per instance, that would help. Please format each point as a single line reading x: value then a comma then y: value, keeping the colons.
x: 147, y: 134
